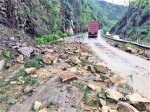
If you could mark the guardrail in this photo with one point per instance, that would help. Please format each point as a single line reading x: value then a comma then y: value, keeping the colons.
x: 124, y: 41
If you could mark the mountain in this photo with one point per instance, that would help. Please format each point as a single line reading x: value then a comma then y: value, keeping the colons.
x: 43, y: 17
x: 135, y: 24
x: 107, y: 13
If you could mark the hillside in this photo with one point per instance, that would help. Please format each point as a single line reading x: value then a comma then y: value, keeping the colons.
x: 107, y: 13
x: 134, y: 25
x: 44, y: 17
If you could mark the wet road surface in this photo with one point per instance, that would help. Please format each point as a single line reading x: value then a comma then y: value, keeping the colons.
x: 123, y: 64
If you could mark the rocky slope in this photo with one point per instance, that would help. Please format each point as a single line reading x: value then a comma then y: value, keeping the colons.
x: 135, y: 23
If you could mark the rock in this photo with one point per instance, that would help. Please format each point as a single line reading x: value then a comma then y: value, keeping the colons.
x: 115, y: 79
x: 26, y: 51
x: 28, y: 89
x: 64, y: 56
x: 2, y: 63
x: 147, y: 105
x: 30, y: 70
x: 148, y: 54
x: 96, y: 87
x: 34, y: 76
x: 37, y: 105
x: 43, y: 110
x: 13, y: 82
x: 113, y: 94
x: 67, y: 76
x: 84, y: 55
x: 110, y: 110
x: 108, y: 83
x: 101, y: 67
x: 102, y: 102
x: 49, y: 59
x: 20, y: 59
x: 90, y: 68
x: 137, y: 98
x: 8, y: 65
x: 12, y: 101
x: 139, y: 106
x: 125, y: 107
x: 105, y: 109
x: 76, y: 61
x: 128, y: 49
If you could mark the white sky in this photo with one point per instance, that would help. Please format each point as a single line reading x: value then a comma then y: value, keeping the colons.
x: 120, y: 2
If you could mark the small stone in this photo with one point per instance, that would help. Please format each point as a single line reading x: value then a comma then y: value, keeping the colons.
x: 20, y: 59
x: 13, y: 82
x: 43, y: 110
x: 37, y: 105
x: 113, y: 94
x: 101, y: 67
x: 76, y: 61
x: 2, y: 63
x: 67, y: 76
x: 30, y: 70
x: 28, y: 89
x: 103, y: 102
x: 34, y: 76
x: 84, y: 55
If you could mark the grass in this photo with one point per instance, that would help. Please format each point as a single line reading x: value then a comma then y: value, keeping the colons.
x: 30, y: 82
x: 74, y: 106
x: 33, y: 62
x: 51, y: 103
x: 80, y: 86
x: 22, y: 73
x: 3, y: 98
x: 6, y: 54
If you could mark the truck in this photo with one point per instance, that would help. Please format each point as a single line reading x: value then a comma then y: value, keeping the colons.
x: 93, y: 27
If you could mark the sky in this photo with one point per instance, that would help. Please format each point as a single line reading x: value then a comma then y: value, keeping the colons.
x: 120, y: 2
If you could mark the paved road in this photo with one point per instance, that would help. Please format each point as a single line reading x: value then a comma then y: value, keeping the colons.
x: 123, y: 64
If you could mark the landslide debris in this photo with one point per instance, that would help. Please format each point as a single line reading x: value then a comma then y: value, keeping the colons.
x: 71, y: 82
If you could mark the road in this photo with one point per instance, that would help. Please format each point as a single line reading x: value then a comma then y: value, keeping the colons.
x: 123, y: 64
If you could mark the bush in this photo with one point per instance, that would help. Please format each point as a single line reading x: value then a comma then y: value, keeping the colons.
x: 7, y: 54
x: 104, y: 31
x: 33, y: 62
x: 50, y: 38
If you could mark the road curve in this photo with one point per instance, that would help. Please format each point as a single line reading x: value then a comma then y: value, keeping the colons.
x: 123, y: 64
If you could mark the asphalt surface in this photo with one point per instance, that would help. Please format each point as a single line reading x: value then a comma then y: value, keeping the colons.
x: 133, y: 69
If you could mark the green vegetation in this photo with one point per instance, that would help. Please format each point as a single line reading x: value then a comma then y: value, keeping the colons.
x: 21, y: 72
x: 6, y: 54
x: 33, y: 62
x: 104, y: 31
x: 50, y: 38
x: 51, y: 103
x: 135, y: 23
x: 3, y: 98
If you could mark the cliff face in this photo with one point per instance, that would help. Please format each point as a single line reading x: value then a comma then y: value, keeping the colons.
x: 136, y: 21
